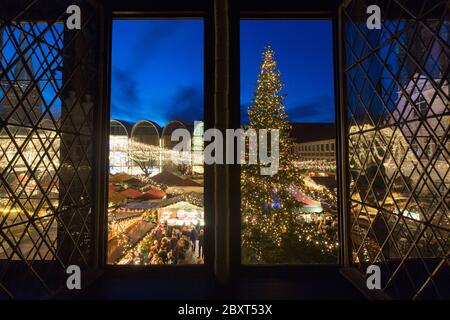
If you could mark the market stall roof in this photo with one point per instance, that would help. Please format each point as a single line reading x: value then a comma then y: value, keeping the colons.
x: 154, y: 194
x: 170, y: 179
x: 132, y: 180
x: 131, y: 193
x: 122, y: 215
x: 192, y: 197
x: 116, y: 197
x: 120, y: 177
x: 305, y: 200
x: 312, y: 209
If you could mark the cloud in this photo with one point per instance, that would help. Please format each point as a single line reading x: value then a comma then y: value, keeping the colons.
x: 125, y: 86
x: 126, y: 102
x: 187, y: 105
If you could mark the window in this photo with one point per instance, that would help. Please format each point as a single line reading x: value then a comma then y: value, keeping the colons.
x: 48, y: 97
x: 405, y: 236
x: 30, y: 139
x: 156, y: 209
x: 288, y: 221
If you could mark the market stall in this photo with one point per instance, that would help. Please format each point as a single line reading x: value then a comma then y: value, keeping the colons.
x: 181, y: 213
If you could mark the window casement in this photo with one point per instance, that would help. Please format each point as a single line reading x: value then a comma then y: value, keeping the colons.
x: 409, y: 70
x: 50, y: 139
x: 55, y: 94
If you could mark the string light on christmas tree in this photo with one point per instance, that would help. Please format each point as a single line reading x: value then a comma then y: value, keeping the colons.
x: 270, y: 212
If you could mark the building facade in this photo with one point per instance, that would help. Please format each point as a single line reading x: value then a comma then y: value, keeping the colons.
x: 316, y: 150
x: 146, y: 148
x: 314, y: 141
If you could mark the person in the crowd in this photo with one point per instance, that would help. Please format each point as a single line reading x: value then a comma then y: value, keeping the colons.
x: 181, y: 258
x: 175, y: 251
x: 165, y: 243
x: 154, y: 246
x: 181, y: 251
x: 201, y: 242
x: 169, y: 230
x: 194, y: 238
x: 186, y: 243
x: 153, y: 253
x: 155, y: 257
x: 158, y: 234
x: 184, y: 230
x: 163, y: 255
x: 173, y: 241
x: 170, y: 258
x: 179, y: 248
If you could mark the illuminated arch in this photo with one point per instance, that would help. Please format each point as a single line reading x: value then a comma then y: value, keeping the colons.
x: 167, y: 143
x: 120, y: 128
x: 147, y: 132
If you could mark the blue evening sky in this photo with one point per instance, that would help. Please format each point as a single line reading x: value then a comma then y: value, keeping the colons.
x: 304, y: 52
x: 157, y: 68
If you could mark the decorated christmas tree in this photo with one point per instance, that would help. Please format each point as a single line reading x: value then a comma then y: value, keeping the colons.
x: 267, y: 201
x: 273, y: 230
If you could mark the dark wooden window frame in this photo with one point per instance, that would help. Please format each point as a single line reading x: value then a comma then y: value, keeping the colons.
x: 222, y: 102
x: 229, y: 261
x: 138, y: 10
x: 282, y: 10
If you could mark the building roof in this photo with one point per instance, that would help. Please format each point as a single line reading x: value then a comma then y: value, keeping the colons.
x: 309, y: 132
x: 120, y: 177
x: 116, y: 197
x: 131, y: 193
x: 191, y: 197
x: 304, y: 199
x: 170, y: 179
x: 128, y: 126
x: 156, y: 126
x: 154, y: 194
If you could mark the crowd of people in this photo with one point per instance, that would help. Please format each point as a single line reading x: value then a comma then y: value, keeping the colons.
x: 173, y: 245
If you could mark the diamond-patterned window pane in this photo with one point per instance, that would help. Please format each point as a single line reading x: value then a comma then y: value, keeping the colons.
x: 48, y: 81
x: 397, y: 100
